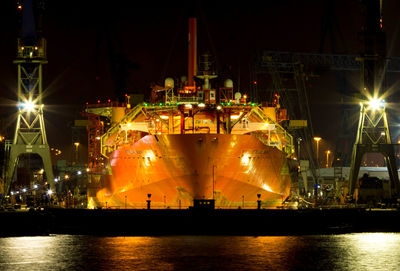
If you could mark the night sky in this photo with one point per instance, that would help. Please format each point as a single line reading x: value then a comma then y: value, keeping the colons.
x: 152, y: 38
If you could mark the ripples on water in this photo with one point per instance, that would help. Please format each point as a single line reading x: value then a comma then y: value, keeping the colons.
x: 366, y: 251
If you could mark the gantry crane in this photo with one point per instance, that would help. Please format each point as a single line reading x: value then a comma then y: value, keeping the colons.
x: 373, y: 134
x: 30, y: 133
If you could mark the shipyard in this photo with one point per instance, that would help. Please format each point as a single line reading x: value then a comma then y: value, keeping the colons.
x: 201, y: 150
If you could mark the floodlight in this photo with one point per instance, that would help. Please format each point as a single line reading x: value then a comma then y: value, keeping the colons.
x: 375, y: 103
x: 28, y: 105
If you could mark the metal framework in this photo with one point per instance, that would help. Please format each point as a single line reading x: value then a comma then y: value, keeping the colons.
x: 322, y: 61
x: 288, y: 80
x: 373, y: 130
x: 95, y: 130
x: 116, y: 134
x: 373, y: 135
x: 30, y: 133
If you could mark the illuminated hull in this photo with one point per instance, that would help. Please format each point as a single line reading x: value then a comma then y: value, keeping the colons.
x: 176, y: 168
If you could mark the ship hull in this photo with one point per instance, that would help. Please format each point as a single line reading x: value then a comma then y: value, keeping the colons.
x: 235, y: 170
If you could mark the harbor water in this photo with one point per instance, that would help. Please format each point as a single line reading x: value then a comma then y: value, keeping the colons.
x: 357, y: 251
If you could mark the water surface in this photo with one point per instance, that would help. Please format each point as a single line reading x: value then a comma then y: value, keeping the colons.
x: 366, y: 251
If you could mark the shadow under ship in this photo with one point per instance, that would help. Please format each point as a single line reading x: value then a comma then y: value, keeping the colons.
x: 192, y: 143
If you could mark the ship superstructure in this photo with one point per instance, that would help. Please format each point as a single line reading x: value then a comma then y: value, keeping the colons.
x: 191, y: 143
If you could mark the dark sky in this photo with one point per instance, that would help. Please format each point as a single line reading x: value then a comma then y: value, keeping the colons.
x: 153, y: 35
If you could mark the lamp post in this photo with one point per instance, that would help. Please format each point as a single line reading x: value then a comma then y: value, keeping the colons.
x: 298, y: 147
x: 328, y: 152
x: 317, y: 140
x: 76, y: 151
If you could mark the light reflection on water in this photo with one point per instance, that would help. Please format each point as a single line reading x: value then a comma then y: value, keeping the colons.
x: 365, y: 251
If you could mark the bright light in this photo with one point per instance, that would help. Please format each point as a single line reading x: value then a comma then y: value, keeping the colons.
x: 79, y: 172
x: 28, y: 105
x: 317, y: 138
x: 201, y: 105
x: 219, y: 107
x: 188, y: 106
x: 235, y: 117
x: 50, y: 192
x: 266, y: 187
x: 66, y: 177
x: 245, y: 160
x: 375, y: 103
x: 35, y: 186
x: 24, y: 190
x: 55, y: 180
x: 76, y: 144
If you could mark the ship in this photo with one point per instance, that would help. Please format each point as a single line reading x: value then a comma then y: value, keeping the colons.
x: 192, y: 144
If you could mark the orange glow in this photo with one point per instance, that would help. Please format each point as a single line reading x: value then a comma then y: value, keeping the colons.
x: 317, y: 139
x: 251, y: 168
x: 235, y: 117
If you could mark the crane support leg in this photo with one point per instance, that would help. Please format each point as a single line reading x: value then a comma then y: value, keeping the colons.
x: 373, y: 136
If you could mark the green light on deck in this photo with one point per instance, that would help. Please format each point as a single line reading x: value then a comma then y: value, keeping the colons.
x: 160, y: 103
x: 145, y: 104
x: 222, y: 103
x: 177, y: 103
x: 253, y: 104
x: 152, y: 104
x: 229, y: 103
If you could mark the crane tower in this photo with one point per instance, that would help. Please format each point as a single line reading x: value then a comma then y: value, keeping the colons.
x: 30, y: 133
x: 373, y: 135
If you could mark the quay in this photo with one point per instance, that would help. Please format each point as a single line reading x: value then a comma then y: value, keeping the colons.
x: 143, y: 222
